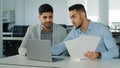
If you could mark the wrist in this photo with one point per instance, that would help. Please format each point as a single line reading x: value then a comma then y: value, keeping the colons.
x: 99, y: 55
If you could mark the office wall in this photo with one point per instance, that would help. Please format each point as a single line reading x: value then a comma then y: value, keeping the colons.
x: 8, y: 5
x: 31, y: 11
x: 1, y: 44
x: 92, y: 7
x: 72, y: 2
x: 29, y: 15
x: 20, y: 12
x: 114, y: 4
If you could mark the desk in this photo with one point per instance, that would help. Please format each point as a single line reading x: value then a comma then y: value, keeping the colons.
x: 13, y: 38
x: 14, y: 66
x: 19, y: 60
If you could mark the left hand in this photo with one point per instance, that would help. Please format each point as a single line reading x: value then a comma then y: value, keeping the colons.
x: 91, y: 55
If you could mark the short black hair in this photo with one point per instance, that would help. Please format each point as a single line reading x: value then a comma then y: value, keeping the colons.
x: 78, y: 7
x: 45, y: 8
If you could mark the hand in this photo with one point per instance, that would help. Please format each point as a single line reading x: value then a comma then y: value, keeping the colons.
x: 91, y: 55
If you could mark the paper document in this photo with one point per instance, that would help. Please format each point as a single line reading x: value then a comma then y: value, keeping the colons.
x: 77, y: 47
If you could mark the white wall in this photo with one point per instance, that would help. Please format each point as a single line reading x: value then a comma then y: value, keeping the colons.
x: 72, y: 2
x: 20, y: 12
x: 31, y: 11
x: 103, y: 12
x: 27, y: 10
x: 114, y: 4
x: 114, y: 11
x: 1, y: 43
x: 92, y: 7
x: 8, y: 5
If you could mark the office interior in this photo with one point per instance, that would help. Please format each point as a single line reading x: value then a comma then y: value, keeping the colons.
x: 17, y: 15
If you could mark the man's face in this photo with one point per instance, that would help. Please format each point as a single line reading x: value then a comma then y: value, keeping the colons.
x: 76, y: 18
x: 46, y: 19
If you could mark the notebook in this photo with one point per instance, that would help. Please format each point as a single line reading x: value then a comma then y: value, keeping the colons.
x: 40, y: 50
x: 77, y: 47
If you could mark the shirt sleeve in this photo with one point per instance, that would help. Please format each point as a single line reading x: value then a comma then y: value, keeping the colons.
x: 60, y: 48
x: 22, y: 49
x: 112, y: 50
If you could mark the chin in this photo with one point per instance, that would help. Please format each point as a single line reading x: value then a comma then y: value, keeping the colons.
x: 77, y: 27
x: 48, y: 26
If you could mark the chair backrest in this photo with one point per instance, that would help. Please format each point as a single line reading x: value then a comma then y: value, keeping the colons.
x: 19, y: 30
x: 5, y: 27
x: 63, y: 25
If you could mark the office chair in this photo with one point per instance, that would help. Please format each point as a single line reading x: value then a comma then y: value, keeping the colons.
x: 19, y: 30
x: 11, y: 48
x: 63, y: 25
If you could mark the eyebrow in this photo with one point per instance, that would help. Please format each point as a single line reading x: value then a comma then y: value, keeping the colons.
x: 72, y: 15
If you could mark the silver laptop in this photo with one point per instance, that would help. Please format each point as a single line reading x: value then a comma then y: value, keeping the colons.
x: 40, y: 50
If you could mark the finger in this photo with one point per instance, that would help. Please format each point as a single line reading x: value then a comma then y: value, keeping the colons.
x: 87, y: 55
x: 90, y: 52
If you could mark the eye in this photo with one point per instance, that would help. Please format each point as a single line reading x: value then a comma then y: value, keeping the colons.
x: 44, y: 17
x: 74, y: 16
x: 51, y: 17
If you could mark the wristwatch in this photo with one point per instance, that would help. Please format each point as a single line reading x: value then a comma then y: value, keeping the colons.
x: 99, y: 55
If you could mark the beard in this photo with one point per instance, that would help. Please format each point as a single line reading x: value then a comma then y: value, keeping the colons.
x: 78, y: 26
x: 48, y: 24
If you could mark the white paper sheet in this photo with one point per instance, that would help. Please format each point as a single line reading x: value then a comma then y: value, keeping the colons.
x: 77, y: 47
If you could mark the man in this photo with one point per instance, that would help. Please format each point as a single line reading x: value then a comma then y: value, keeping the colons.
x: 106, y: 48
x: 47, y: 30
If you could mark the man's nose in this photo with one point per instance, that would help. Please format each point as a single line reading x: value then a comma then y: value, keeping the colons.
x: 48, y: 19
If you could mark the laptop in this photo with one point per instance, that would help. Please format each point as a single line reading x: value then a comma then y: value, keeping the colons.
x: 40, y: 50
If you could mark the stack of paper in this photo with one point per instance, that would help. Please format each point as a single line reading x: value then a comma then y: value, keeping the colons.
x: 77, y: 47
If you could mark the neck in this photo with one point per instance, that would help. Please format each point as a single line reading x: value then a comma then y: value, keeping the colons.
x: 84, y: 25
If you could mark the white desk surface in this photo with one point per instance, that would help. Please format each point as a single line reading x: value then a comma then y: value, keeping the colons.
x: 13, y: 38
x: 15, y: 66
x: 66, y: 63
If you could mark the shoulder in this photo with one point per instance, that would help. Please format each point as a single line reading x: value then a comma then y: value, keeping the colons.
x: 33, y: 27
x: 100, y: 26
x: 57, y: 26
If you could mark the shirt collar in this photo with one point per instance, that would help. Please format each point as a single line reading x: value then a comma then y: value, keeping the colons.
x: 90, y: 26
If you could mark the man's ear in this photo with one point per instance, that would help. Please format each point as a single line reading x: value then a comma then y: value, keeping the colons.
x: 39, y: 17
x: 83, y: 15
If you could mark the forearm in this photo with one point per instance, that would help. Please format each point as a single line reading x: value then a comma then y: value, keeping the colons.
x: 58, y: 49
x: 22, y: 49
